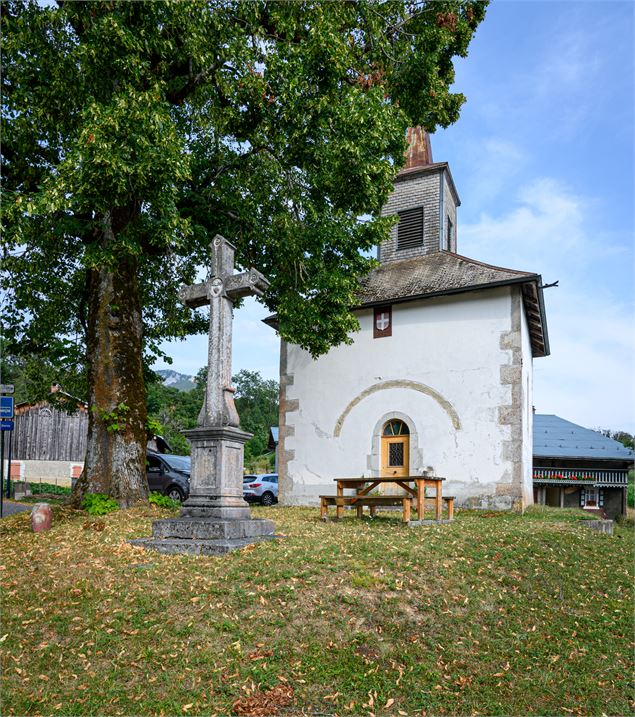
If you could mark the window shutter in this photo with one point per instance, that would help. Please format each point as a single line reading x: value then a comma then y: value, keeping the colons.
x: 601, y: 499
x: 410, y: 229
x: 582, y: 497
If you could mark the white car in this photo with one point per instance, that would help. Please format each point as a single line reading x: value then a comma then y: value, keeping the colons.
x: 261, y: 488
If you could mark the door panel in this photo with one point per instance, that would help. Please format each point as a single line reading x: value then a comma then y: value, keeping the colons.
x: 395, y: 460
x: 155, y: 473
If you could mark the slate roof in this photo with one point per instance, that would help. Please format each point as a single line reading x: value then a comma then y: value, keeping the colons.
x: 439, y: 273
x: 445, y: 272
x: 556, y: 438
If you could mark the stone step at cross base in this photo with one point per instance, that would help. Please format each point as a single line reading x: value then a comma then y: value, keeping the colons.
x: 201, y: 529
x: 197, y: 536
x: 176, y: 546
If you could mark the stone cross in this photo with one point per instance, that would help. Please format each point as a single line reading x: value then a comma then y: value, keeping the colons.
x: 220, y: 291
x: 215, y: 518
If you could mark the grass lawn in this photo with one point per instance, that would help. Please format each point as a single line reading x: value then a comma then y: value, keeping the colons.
x: 494, y: 614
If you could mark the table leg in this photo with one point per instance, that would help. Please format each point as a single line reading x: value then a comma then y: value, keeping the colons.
x: 360, y: 511
x: 421, y: 490
x: 438, y: 503
x: 339, y: 507
x: 407, y: 502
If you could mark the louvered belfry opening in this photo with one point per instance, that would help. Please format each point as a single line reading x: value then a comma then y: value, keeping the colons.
x: 410, y: 229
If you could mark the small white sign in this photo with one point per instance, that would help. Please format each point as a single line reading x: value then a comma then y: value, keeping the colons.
x: 7, y: 388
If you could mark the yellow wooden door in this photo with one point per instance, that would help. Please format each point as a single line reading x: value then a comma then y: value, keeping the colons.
x: 395, y: 453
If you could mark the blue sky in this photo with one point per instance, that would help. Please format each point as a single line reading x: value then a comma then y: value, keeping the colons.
x: 543, y: 158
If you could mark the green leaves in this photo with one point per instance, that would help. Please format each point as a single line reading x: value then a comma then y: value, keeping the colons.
x: 99, y: 504
x: 146, y: 130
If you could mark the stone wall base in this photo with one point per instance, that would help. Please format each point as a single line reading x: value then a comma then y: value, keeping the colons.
x: 59, y: 473
x: 600, y: 526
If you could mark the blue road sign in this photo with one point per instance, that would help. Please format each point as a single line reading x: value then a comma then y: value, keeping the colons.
x: 6, y: 407
x: 6, y: 425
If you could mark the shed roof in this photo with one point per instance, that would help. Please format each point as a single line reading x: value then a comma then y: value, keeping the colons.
x: 556, y: 438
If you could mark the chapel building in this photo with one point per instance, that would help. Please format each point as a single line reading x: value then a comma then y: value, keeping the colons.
x: 439, y: 376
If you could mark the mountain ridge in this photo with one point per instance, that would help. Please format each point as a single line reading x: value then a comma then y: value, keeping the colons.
x: 174, y: 379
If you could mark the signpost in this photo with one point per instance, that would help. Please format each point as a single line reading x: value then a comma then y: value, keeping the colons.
x: 6, y: 424
x: 6, y: 407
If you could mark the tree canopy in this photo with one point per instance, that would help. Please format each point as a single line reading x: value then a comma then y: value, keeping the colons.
x: 274, y: 124
x: 134, y: 132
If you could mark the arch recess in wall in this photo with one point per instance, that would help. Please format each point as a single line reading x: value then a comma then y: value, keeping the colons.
x: 399, y: 383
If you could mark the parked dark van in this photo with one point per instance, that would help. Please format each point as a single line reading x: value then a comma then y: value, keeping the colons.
x: 169, y: 474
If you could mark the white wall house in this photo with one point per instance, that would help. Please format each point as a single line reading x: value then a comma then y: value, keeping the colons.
x: 439, y: 377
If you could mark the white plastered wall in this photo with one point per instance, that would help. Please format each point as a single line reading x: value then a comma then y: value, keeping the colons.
x: 450, y: 347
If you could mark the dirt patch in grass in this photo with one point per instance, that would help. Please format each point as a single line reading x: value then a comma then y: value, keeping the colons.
x: 355, y: 617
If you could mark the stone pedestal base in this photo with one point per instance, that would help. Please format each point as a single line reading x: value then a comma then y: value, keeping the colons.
x: 195, y: 529
x: 205, y: 537
x: 216, y: 483
x: 215, y: 519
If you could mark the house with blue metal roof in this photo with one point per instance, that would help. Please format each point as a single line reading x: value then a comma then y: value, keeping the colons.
x: 578, y: 467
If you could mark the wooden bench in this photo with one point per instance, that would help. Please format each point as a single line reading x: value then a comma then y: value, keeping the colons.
x: 372, y: 501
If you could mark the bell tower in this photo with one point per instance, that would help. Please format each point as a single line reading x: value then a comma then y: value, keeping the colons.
x: 426, y: 201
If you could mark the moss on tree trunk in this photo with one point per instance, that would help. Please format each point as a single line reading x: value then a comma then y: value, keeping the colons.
x: 116, y: 453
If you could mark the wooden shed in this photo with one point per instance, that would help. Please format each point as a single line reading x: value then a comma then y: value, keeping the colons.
x: 49, y: 439
x: 45, y: 433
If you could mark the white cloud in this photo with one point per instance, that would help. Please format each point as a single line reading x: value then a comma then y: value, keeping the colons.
x: 549, y: 228
x: 589, y: 376
x: 570, y: 63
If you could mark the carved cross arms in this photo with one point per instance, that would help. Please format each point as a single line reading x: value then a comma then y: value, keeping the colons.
x: 233, y: 287
x: 224, y: 283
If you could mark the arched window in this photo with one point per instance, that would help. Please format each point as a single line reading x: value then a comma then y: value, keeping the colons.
x: 396, y: 428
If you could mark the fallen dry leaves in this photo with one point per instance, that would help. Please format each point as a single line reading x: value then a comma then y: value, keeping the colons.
x: 478, y: 616
x: 263, y: 703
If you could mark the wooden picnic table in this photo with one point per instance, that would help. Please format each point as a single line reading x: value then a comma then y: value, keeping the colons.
x: 414, y: 487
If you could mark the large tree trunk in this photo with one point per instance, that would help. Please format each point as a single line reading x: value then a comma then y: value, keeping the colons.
x: 116, y: 453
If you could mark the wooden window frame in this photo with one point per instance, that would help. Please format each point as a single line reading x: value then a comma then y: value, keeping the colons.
x: 379, y: 333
